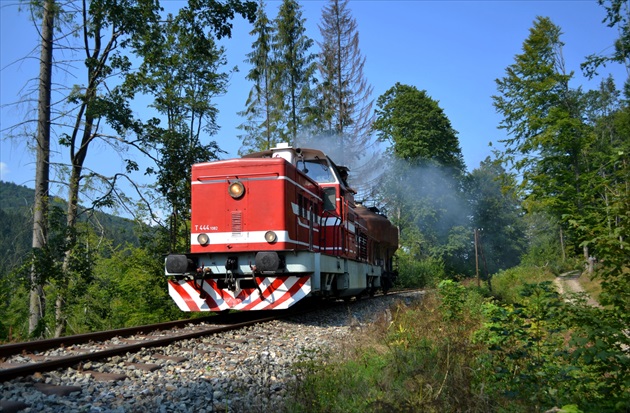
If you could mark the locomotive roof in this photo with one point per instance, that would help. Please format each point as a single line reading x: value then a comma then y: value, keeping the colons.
x: 306, y: 154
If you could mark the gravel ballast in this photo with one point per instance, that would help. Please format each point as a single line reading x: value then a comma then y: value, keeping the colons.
x: 241, y: 371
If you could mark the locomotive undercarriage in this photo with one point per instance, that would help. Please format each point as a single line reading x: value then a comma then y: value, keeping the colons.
x: 328, y: 276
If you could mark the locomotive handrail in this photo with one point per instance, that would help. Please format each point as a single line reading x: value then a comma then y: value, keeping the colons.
x: 336, y: 226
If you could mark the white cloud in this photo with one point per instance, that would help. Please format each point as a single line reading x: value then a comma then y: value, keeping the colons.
x: 4, y: 171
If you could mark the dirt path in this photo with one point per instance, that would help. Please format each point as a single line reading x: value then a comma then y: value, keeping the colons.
x: 569, y: 283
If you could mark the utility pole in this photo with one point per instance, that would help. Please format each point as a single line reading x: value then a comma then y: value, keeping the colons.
x: 477, y: 257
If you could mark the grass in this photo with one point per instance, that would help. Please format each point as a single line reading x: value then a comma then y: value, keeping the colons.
x: 416, y: 361
x: 592, y: 286
x: 520, y: 349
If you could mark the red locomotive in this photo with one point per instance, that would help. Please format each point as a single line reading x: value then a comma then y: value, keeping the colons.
x: 274, y: 227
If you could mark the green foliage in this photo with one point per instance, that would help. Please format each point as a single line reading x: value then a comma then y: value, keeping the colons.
x: 550, y: 139
x: 453, y: 298
x: 417, y: 128
x: 181, y: 69
x: 131, y: 290
x: 544, y: 247
x: 531, y: 367
x: 16, y: 232
x: 262, y: 110
x: 616, y: 17
x: 14, y: 309
x: 522, y: 342
x: 16, y: 224
x: 507, y: 285
x: 572, y: 149
x: 417, y: 362
x: 498, y: 216
x: 295, y: 69
x: 342, y: 107
x: 92, y: 285
x: 457, y: 351
x: 424, y: 184
x: 600, y: 351
x: 429, y: 207
x: 415, y: 273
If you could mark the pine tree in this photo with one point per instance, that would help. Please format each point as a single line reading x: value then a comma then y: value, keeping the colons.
x: 548, y: 138
x: 295, y: 69
x: 344, y: 107
x: 261, y: 126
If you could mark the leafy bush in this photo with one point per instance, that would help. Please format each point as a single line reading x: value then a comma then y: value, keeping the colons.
x: 458, y: 351
x: 419, y: 360
x: 526, y: 365
x: 413, y: 273
x: 507, y: 285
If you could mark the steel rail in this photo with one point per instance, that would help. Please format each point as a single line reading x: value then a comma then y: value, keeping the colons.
x: 69, y: 361
x: 46, y: 344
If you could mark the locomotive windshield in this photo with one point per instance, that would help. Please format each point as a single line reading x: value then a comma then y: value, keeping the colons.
x: 318, y: 170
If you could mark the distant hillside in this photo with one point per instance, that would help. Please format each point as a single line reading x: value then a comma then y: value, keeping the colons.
x: 16, y: 224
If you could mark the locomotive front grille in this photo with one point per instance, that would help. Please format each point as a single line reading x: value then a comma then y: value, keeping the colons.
x: 237, y: 223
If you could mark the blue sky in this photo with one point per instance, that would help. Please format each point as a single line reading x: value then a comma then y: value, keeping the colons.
x: 452, y: 49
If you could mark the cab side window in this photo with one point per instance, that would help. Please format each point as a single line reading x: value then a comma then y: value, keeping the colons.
x: 330, y: 197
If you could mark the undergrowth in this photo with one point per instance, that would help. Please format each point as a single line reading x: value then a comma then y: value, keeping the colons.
x: 459, y: 351
x: 417, y: 360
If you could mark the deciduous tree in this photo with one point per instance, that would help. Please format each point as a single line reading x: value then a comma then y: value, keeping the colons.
x: 98, y: 109
x: 416, y: 128
x: 182, y: 71
x: 425, y: 182
x: 498, y: 215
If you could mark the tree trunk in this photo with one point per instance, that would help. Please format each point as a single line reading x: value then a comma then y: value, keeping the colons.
x: 589, y: 260
x: 42, y: 171
x: 71, y: 222
x: 564, y: 254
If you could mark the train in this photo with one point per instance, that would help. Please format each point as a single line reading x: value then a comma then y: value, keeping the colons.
x: 274, y: 227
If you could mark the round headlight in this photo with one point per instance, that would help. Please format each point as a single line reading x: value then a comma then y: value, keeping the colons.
x: 270, y: 236
x: 203, y: 239
x: 236, y: 189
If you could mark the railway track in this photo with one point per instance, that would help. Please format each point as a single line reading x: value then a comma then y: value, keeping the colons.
x: 186, y: 355
x: 22, y: 359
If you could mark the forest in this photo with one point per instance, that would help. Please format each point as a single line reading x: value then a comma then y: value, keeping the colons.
x: 555, y: 199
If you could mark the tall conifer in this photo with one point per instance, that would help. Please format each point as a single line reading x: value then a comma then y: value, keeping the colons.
x: 548, y: 138
x: 295, y: 64
x: 261, y: 125
x: 344, y: 107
